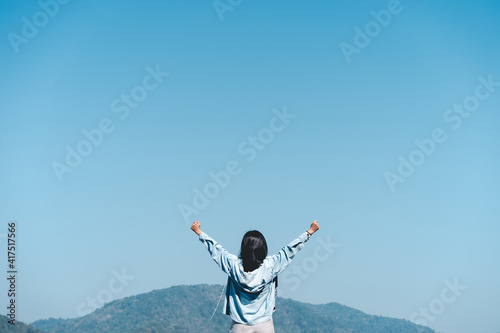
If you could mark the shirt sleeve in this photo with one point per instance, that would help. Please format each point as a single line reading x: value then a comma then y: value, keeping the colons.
x: 284, y: 257
x: 218, y: 253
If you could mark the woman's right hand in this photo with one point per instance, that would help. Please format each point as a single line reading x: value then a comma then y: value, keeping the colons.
x: 314, y: 227
x: 196, y: 227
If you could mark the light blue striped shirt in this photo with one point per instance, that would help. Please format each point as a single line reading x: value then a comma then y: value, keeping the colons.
x: 252, y: 294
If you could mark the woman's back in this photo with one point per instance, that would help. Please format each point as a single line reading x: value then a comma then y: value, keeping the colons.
x: 250, y: 295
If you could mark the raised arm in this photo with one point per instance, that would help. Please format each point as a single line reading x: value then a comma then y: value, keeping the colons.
x: 284, y: 257
x: 218, y: 253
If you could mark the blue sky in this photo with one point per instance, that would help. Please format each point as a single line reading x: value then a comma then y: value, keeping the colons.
x: 118, y: 209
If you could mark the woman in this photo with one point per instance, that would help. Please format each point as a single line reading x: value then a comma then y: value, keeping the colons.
x: 251, y: 287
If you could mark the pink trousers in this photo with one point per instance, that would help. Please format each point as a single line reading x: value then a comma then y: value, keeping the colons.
x: 266, y: 327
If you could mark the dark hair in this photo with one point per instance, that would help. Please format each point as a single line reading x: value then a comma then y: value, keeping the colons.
x: 253, y: 250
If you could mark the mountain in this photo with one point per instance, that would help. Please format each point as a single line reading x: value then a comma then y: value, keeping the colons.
x: 19, y: 327
x: 188, y: 309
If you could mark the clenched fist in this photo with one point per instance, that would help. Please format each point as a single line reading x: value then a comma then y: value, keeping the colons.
x: 196, y: 227
x: 314, y: 227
